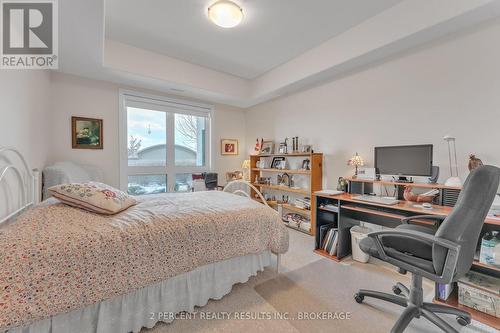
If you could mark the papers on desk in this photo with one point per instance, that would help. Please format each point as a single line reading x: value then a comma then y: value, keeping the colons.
x: 328, y: 192
x: 494, y: 217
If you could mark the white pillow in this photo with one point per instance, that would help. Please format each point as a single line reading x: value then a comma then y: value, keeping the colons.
x: 92, y: 196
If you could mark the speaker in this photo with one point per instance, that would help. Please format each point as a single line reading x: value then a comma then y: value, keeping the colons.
x: 450, y: 197
x: 435, y: 175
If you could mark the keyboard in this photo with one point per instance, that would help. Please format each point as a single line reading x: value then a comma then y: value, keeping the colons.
x: 377, y: 200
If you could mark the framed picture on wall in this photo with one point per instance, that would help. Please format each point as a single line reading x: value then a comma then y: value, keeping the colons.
x: 229, y: 147
x: 86, y: 133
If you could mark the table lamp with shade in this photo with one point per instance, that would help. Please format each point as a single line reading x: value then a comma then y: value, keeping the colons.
x: 454, y: 180
x: 245, y: 167
x: 356, y: 161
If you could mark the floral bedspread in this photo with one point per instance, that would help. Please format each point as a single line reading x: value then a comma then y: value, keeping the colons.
x: 56, y: 258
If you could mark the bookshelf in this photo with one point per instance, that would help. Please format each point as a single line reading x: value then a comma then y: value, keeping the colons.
x: 309, y: 181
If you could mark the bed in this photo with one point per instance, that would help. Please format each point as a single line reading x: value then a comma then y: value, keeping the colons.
x: 64, y: 269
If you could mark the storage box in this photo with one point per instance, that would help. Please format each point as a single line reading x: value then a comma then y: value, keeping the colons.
x: 480, y: 292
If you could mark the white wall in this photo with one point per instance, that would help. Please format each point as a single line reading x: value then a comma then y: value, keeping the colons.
x: 448, y: 88
x: 76, y: 96
x: 24, y: 96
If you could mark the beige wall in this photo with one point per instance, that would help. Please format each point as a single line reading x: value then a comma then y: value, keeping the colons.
x: 450, y: 88
x: 76, y: 96
x: 24, y: 97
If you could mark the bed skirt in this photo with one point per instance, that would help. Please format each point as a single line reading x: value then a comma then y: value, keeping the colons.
x: 150, y: 305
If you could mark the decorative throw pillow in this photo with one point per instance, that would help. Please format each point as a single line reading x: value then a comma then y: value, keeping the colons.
x: 92, y: 196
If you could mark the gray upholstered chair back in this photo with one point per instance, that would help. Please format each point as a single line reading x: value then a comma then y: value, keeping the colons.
x: 465, y: 222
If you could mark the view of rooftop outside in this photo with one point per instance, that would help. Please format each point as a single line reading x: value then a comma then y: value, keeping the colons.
x: 147, y: 146
x: 147, y: 184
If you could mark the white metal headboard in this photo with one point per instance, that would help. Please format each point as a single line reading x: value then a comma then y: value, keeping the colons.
x: 230, y: 189
x: 25, y: 180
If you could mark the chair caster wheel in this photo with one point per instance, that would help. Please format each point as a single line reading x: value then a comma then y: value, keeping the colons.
x: 396, y: 290
x: 358, y: 298
x: 463, y: 321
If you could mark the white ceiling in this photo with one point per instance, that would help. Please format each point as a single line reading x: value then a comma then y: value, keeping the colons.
x: 84, y: 50
x: 272, y: 33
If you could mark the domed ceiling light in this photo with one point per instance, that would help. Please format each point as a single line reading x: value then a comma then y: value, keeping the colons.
x: 225, y: 14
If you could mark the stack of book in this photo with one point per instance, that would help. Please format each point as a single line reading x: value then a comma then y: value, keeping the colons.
x: 303, y: 203
x: 329, y: 241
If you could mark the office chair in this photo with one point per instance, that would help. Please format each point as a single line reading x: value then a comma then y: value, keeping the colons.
x: 443, y: 255
x: 211, y: 180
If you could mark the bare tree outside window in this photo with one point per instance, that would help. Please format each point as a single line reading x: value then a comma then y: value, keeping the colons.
x: 134, y: 146
x: 187, y: 126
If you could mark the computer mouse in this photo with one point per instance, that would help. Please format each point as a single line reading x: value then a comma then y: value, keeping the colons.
x: 427, y: 205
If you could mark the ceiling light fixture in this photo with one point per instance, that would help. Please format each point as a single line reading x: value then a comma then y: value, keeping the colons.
x: 225, y: 14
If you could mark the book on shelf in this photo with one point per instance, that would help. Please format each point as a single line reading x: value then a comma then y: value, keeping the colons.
x: 330, y: 242
x: 322, y: 233
x: 444, y: 290
x: 304, y: 203
x: 328, y: 239
x: 333, y: 250
x: 331, y: 208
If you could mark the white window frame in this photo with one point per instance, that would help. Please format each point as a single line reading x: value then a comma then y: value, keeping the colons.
x: 130, y: 98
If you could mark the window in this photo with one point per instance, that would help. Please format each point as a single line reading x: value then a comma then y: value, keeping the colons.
x: 163, y: 142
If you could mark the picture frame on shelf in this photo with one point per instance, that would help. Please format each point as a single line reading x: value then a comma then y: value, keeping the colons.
x: 366, y: 173
x: 307, y: 149
x: 267, y: 148
x: 278, y: 162
x: 306, y: 164
x: 284, y: 179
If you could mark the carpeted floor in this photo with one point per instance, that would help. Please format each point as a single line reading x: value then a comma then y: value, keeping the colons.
x: 309, y: 285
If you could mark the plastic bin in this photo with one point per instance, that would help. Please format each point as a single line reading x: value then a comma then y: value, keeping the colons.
x: 357, y: 234
x: 480, y: 292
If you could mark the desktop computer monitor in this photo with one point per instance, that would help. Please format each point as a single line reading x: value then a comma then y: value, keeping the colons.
x: 404, y: 160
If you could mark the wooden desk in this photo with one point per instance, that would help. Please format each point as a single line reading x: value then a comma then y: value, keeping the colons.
x: 404, y: 206
x: 352, y: 211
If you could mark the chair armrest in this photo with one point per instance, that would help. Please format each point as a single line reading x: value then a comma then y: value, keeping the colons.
x: 451, y: 257
x: 407, y: 220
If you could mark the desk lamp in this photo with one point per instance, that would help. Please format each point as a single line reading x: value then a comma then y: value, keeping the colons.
x: 454, y: 180
x: 356, y: 161
x: 245, y: 166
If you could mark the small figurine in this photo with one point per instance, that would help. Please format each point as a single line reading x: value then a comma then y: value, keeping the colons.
x: 258, y: 145
x: 474, y: 162
x: 283, y: 149
x: 410, y: 196
x: 342, y: 184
